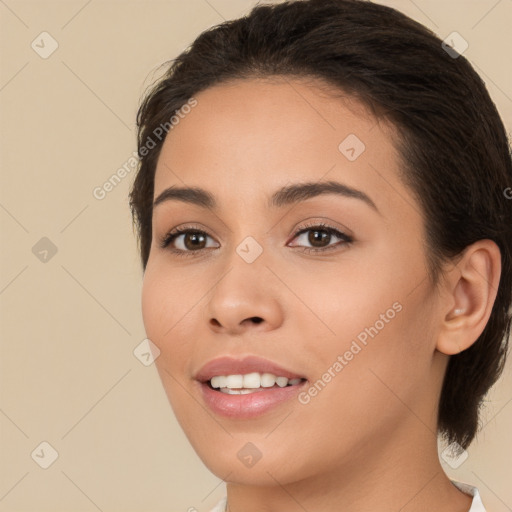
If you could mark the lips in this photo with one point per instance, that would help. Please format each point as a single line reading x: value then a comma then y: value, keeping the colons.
x: 247, y: 387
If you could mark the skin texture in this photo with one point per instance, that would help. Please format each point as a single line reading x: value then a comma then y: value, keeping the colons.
x: 367, y: 440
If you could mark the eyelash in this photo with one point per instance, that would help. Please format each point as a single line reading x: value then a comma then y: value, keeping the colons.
x: 167, y: 239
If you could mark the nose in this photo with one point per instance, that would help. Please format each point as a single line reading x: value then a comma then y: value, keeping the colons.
x: 245, y: 298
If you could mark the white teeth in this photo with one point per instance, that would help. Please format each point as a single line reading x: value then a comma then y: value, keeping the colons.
x: 234, y: 381
x: 236, y: 391
x: 282, y: 382
x: 219, y: 381
x: 252, y: 381
x: 267, y: 380
x: 243, y: 384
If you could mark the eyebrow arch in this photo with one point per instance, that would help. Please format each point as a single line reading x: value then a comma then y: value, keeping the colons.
x: 295, y: 193
x: 286, y: 195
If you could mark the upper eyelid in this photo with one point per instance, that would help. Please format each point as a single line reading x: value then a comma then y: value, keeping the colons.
x: 308, y: 224
x: 319, y: 224
x: 322, y: 224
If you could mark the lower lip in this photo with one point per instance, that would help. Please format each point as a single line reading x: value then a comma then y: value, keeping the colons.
x: 249, y: 405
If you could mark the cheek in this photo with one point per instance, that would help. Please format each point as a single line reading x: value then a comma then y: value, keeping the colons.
x: 375, y: 313
x: 152, y: 304
x: 165, y: 303
x: 360, y: 388
x: 164, y: 314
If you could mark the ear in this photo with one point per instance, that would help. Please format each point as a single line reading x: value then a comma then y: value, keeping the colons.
x: 469, y: 292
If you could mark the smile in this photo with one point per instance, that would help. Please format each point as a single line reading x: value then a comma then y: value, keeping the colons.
x: 248, y: 387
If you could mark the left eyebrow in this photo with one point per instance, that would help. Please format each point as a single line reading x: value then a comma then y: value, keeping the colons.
x: 289, y: 194
x: 301, y: 191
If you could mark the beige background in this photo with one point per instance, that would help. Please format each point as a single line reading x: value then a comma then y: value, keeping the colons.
x: 69, y: 325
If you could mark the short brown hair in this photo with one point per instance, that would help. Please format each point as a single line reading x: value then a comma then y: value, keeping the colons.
x: 454, y: 149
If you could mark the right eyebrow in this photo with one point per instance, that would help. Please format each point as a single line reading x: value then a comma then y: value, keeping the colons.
x: 193, y: 195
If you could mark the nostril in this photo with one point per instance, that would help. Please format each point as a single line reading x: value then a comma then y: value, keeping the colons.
x: 257, y: 319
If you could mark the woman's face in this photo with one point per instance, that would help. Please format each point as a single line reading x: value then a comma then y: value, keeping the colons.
x: 345, y: 311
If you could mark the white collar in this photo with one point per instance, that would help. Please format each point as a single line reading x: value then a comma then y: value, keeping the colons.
x: 476, y: 504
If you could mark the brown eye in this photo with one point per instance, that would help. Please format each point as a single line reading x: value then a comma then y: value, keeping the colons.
x: 186, y: 240
x: 319, y: 238
x: 194, y: 240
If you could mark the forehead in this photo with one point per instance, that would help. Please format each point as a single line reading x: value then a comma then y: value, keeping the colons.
x: 256, y: 135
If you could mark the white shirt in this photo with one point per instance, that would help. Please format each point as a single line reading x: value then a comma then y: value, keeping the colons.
x: 476, y: 505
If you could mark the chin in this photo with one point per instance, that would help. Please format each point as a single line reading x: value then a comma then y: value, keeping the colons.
x: 242, y: 461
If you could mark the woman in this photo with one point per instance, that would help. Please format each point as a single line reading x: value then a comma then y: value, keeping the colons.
x: 326, y: 243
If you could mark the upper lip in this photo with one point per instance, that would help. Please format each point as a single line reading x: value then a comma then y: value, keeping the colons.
x: 240, y: 366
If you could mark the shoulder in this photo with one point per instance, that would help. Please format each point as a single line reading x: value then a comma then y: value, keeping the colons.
x: 476, y: 505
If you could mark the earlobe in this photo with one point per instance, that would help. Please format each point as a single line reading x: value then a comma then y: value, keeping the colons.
x: 470, y: 291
